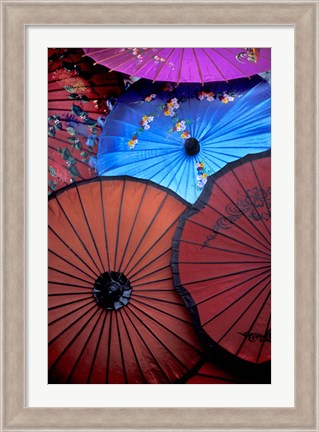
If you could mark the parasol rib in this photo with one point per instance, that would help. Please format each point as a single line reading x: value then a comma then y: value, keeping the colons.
x: 68, y: 303
x: 262, y: 191
x: 150, y: 263
x: 217, y: 248
x: 238, y: 299
x: 164, y: 63
x: 215, y: 65
x: 146, y: 346
x: 164, y: 312
x: 69, y: 284
x: 97, y: 348
x: 72, y: 311
x: 109, y: 350
x: 68, y: 274
x: 154, y: 244
x: 144, y: 234
x: 167, y: 329
x: 156, y: 337
x: 222, y: 276
x: 152, y: 282
x: 133, y: 349
x: 265, y: 272
x: 118, y: 224
x: 89, y: 227
x: 255, y: 319
x: 104, y: 224
x: 263, y: 340
x: 149, y: 274
x: 78, y: 236
x: 198, y: 66
x: 71, y: 264
x: 72, y: 341
x: 121, y: 349
x: 229, y: 237
x: 71, y: 325
x: 132, y: 227
x: 255, y: 208
x: 233, y: 64
x: 159, y: 299
x: 69, y: 378
x: 234, y: 223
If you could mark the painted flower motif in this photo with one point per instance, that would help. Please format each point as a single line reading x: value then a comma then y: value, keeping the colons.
x: 209, y: 96
x: 223, y: 99
x: 132, y: 143
x: 70, y: 81
x: 101, y: 121
x: 150, y: 98
x: 145, y: 121
x: 93, y: 163
x: 185, y: 134
x: 250, y: 54
x: 168, y: 87
x: 255, y: 196
x: 62, y: 74
x: 135, y: 51
x: 58, y: 171
x: 255, y: 203
x: 170, y: 107
x: 180, y: 126
x: 202, y: 175
x: 158, y: 59
x: 58, y: 168
x: 92, y: 140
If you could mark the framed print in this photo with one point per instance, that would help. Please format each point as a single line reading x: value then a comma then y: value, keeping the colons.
x: 29, y: 401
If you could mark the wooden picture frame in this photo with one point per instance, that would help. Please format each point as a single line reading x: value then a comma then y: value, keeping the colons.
x: 303, y: 15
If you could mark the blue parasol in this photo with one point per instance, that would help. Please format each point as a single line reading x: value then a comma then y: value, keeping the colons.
x: 178, y: 135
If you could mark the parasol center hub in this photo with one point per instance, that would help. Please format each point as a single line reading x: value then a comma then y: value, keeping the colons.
x: 191, y: 146
x: 112, y: 290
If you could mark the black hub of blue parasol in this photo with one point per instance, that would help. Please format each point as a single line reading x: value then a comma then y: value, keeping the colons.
x: 191, y: 146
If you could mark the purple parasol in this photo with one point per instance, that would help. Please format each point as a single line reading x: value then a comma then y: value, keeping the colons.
x: 184, y: 64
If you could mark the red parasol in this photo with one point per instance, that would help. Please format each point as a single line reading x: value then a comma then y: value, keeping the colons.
x: 222, y: 259
x: 78, y: 98
x: 114, y: 315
